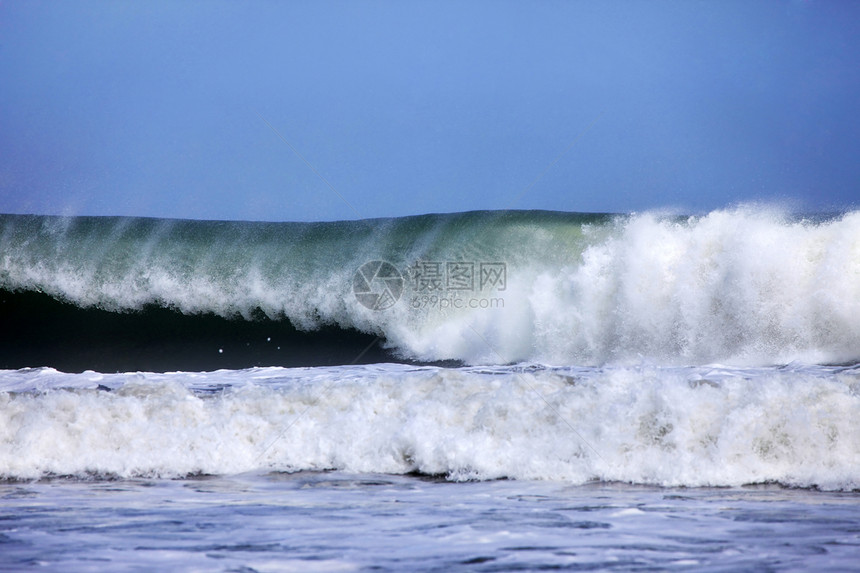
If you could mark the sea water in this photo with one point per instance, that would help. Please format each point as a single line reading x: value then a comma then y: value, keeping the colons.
x: 335, y: 521
x: 482, y: 391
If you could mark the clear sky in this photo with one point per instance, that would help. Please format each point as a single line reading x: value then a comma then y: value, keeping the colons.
x: 190, y: 109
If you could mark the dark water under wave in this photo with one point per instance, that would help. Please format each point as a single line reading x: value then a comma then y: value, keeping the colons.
x: 40, y: 330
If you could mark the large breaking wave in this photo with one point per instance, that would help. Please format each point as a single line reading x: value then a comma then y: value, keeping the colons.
x: 744, y: 286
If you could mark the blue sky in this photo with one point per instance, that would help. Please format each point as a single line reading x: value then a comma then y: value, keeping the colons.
x: 171, y: 109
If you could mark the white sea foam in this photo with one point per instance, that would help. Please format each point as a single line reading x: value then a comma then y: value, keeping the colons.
x: 700, y: 426
x: 743, y: 287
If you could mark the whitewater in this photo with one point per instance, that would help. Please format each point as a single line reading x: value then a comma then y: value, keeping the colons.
x: 713, y: 426
x: 485, y: 391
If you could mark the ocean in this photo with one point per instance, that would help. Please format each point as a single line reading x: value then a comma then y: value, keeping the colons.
x: 481, y: 391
